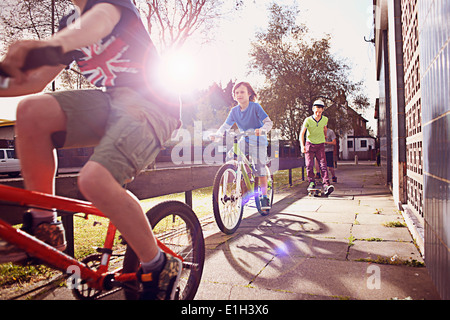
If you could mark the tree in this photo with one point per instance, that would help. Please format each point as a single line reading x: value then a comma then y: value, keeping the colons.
x: 298, y: 70
x: 173, y: 22
x: 213, y: 105
x: 37, y: 19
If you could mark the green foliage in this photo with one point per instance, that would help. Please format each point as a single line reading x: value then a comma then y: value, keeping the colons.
x: 11, y: 273
x: 395, y: 224
x: 299, y: 70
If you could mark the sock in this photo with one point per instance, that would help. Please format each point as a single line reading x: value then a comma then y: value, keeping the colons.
x: 155, y: 264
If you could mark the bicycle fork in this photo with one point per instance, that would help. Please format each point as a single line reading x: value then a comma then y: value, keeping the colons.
x: 228, y: 194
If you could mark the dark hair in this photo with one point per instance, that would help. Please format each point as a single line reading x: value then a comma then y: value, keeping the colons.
x: 250, y: 90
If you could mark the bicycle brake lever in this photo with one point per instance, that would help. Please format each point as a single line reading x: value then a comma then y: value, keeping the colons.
x: 4, y: 81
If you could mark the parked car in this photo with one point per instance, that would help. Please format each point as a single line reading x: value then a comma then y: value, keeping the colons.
x: 9, y: 164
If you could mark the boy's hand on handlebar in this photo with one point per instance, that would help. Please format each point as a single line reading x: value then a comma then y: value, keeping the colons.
x: 16, y: 56
x: 259, y: 132
x: 215, y: 137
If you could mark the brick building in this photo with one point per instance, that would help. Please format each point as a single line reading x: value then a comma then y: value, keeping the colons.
x: 413, y: 70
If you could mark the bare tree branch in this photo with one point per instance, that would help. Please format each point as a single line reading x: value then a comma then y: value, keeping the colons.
x: 174, y: 22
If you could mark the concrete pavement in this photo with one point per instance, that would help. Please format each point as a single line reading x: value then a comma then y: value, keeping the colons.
x: 319, y: 248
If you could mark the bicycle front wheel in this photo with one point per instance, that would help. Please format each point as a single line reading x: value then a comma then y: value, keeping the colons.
x: 176, y: 226
x: 227, y: 199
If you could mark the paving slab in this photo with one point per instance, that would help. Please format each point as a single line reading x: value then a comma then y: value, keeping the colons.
x: 391, y: 251
x: 345, y: 279
x: 370, y: 231
x: 380, y: 219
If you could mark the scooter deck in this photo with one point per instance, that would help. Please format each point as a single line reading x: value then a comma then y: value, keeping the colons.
x: 316, y: 192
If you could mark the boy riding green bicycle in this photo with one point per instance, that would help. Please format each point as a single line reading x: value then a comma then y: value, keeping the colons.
x: 249, y: 115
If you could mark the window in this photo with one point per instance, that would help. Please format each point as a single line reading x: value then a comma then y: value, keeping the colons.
x: 363, y: 143
x: 350, y: 144
x: 11, y: 154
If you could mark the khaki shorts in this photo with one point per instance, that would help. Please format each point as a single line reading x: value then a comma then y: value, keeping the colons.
x: 126, y: 129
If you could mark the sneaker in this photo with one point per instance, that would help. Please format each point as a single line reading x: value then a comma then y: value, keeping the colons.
x: 51, y: 233
x: 328, y: 189
x: 265, y: 204
x: 161, y: 285
x: 334, y: 179
x: 312, y: 185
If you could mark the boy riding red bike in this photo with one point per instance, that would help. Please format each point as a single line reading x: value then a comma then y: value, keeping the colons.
x: 127, y: 119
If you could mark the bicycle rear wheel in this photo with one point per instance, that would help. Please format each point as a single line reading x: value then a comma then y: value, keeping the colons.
x: 227, y: 201
x: 175, y: 225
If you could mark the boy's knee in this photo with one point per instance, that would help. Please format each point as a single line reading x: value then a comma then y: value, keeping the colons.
x: 92, y: 181
x: 38, y: 113
x: 87, y: 182
x: 28, y: 112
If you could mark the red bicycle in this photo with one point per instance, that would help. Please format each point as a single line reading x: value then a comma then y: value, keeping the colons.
x: 174, y: 223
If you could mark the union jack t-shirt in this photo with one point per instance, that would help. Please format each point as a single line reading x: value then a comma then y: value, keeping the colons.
x: 125, y: 58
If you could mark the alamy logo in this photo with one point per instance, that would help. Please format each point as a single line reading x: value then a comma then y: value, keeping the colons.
x: 374, y: 278
x: 74, y: 280
x: 189, y: 149
x: 73, y: 18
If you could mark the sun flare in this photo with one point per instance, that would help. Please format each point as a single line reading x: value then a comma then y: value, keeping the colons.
x: 179, y: 71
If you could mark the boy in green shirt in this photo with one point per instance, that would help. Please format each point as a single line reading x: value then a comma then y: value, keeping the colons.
x: 316, y: 128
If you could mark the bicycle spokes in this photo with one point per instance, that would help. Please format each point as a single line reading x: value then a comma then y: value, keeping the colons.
x: 231, y: 198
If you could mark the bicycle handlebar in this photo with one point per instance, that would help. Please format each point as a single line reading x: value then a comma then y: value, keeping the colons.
x: 43, y: 56
x: 249, y: 133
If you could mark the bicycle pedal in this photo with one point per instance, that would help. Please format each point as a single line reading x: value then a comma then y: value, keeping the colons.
x: 29, y: 261
x: 122, y: 240
x: 177, y: 294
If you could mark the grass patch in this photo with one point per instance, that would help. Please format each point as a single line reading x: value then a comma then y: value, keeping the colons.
x: 14, y: 274
x: 394, y: 224
x: 282, y: 179
x: 351, y: 240
x: 90, y: 234
x: 372, y: 239
x: 201, y: 201
x: 394, y: 261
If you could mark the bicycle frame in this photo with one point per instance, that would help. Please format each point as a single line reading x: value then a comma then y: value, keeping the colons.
x: 99, y: 279
x: 242, y: 161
